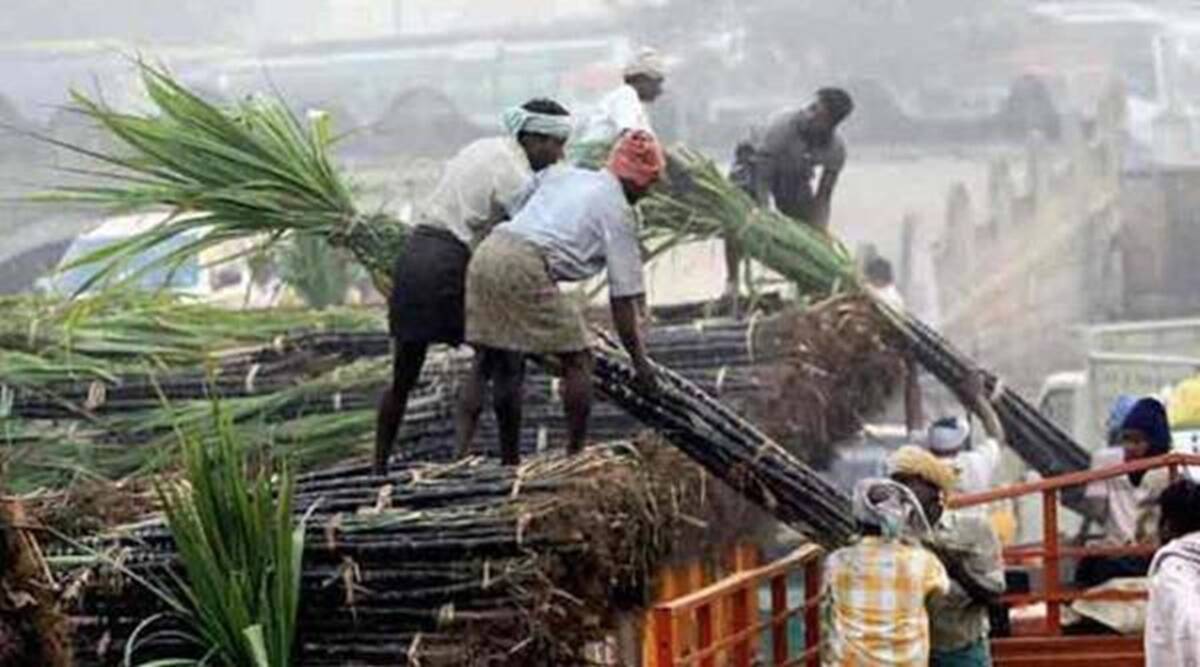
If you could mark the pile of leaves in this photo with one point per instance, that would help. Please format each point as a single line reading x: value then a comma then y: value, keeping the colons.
x: 839, y: 371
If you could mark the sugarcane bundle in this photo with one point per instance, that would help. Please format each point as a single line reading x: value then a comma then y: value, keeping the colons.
x: 48, y: 340
x: 253, y: 171
x: 309, y: 394
x: 454, y: 564
x: 697, y: 202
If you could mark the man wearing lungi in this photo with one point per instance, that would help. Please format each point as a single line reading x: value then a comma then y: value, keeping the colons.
x: 577, y: 223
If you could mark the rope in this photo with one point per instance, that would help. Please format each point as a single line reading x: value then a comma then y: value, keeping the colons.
x: 720, y: 379
x: 248, y: 384
x: 754, y: 318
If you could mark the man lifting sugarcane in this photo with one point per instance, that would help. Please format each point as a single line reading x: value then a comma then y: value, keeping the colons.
x: 482, y: 186
x: 781, y: 166
x: 578, y: 223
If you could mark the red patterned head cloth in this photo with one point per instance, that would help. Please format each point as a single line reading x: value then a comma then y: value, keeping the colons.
x: 637, y: 157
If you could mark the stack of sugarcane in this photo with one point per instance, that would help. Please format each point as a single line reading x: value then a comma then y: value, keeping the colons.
x: 468, y: 563
x: 319, y: 408
x: 256, y: 170
x: 288, y: 381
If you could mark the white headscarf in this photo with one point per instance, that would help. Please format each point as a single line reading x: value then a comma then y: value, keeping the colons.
x: 518, y: 119
x: 891, y: 506
x: 949, y: 438
x: 648, y: 62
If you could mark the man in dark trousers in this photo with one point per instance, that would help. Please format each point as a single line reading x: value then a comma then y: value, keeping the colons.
x: 482, y: 186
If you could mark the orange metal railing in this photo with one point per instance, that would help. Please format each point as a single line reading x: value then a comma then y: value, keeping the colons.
x: 706, y: 646
x: 680, y: 579
x: 1051, y: 553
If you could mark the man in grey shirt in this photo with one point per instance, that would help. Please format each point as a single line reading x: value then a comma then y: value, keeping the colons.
x: 781, y: 165
x: 577, y: 224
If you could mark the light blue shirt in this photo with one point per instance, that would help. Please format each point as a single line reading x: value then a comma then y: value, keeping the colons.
x: 582, y: 222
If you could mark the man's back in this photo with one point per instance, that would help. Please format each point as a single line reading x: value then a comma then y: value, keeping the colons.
x: 582, y: 221
x: 616, y: 112
x: 480, y: 186
x: 1173, y: 612
x: 957, y: 620
x: 874, y: 600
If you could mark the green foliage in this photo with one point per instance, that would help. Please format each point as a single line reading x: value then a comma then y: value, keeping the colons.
x: 253, y: 171
x: 316, y: 271
x: 697, y: 202
x: 241, y: 552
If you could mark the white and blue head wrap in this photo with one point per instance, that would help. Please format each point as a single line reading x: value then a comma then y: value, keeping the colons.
x: 518, y: 119
x: 891, y: 507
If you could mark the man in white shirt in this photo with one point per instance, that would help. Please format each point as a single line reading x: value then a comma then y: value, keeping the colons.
x: 624, y: 108
x: 578, y: 223
x: 950, y: 438
x: 482, y: 185
x: 1172, y: 635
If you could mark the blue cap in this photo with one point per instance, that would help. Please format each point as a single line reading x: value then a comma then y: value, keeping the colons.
x: 1117, y: 414
x: 1149, y: 417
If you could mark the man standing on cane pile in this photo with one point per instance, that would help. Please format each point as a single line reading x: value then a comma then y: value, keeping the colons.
x: 577, y: 223
x: 968, y: 548
x: 482, y: 185
x: 624, y: 108
x: 783, y: 164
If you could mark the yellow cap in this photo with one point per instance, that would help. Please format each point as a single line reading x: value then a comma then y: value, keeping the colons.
x: 913, y: 460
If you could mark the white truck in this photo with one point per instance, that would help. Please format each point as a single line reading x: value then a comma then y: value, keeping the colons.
x: 1135, y: 358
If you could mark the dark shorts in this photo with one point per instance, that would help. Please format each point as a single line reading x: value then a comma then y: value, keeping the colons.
x: 428, y: 288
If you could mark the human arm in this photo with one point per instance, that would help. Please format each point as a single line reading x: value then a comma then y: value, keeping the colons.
x: 971, y: 554
x: 937, y: 580
x: 625, y: 314
x: 1095, y: 506
x: 914, y: 414
x: 626, y: 287
x: 823, y: 202
x: 769, y: 148
x: 980, y: 404
x: 513, y: 183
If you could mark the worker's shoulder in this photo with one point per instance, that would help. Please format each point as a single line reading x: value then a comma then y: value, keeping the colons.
x: 779, y: 129
x: 964, y: 527
x: 487, y: 147
x: 565, y: 179
x: 622, y: 96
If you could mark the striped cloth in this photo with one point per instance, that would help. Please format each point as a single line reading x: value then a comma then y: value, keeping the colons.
x: 873, y: 601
